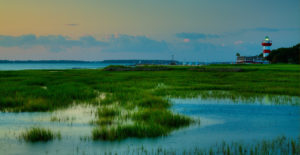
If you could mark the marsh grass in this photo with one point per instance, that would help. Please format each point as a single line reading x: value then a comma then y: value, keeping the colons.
x: 141, y: 128
x: 147, y: 89
x: 149, y: 118
x: 24, y: 90
x: 36, y: 134
x: 280, y: 145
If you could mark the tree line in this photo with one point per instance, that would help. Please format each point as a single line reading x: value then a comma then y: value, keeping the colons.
x: 285, y: 55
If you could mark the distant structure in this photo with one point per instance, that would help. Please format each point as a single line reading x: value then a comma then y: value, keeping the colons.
x: 172, y: 60
x: 249, y: 60
x: 267, y: 43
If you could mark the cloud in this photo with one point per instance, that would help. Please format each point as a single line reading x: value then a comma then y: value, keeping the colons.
x: 88, y: 41
x: 268, y: 29
x: 238, y: 42
x: 128, y: 43
x: 53, y: 43
x: 196, y: 36
x: 119, y: 46
x: 201, y: 51
x: 72, y: 24
x: 186, y: 40
x: 263, y: 29
x: 58, y: 43
x: 291, y: 29
x: 11, y: 41
x: 124, y: 46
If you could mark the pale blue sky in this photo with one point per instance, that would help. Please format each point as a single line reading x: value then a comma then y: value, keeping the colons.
x: 193, y: 30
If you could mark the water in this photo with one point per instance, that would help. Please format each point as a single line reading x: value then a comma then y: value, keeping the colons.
x: 234, y: 122
x: 221, y: 120
x: 59, y: 65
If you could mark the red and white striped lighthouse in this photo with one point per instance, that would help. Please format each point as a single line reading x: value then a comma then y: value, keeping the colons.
x: 267, y: 43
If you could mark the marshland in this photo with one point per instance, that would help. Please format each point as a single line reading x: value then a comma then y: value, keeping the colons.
x: 230, y: 109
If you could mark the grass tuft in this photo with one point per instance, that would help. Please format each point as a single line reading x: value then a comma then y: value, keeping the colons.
x: 162, y: 117
x: 107, y: 112
x: 36, y: 134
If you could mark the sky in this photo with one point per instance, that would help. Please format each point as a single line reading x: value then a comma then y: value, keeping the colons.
x: 191, y: 30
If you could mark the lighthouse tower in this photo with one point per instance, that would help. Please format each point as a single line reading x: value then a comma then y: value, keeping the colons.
x: 267, y: 43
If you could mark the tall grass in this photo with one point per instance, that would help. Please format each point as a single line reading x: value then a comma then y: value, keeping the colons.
x: 147, y: 123
x: 36, y: 134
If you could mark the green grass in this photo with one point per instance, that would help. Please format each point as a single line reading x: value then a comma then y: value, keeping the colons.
x: 145, y: 89
x: 36, y: 134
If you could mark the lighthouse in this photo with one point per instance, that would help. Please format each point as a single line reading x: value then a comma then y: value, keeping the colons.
x: 267, y: 43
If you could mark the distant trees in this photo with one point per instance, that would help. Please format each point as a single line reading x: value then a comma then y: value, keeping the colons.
x: 238, y: 54
x: 285, y: 55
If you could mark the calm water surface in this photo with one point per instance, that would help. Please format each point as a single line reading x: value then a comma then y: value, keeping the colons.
x: 221, y: 120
